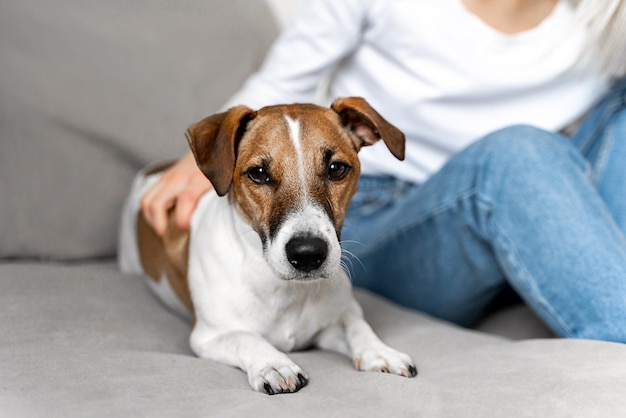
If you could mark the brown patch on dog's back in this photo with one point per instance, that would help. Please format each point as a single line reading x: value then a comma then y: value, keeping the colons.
x: 165, y: 256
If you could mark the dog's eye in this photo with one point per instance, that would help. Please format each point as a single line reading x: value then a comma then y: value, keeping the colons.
x: 259, y: 175
x: 337, y: 171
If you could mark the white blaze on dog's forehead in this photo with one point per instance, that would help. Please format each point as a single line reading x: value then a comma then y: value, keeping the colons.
x: 294, y: 134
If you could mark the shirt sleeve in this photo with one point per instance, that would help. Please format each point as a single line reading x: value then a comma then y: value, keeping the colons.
x: 321, y: 35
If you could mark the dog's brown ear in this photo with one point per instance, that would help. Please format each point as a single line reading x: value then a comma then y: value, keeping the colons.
x: 367, y: 124
x: 214, y: 141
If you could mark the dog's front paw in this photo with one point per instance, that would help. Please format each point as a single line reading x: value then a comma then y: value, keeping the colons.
x: 385, y: 359
x: 277, y: 377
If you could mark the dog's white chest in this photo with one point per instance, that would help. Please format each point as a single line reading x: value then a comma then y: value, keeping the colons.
x: 289, y: 315
x: 313, y: 307
x: 232, y: 285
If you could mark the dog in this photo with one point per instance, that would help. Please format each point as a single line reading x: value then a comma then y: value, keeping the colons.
x: 260, y: 269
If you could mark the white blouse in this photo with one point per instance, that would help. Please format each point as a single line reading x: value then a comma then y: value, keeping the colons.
x: 433, y: 69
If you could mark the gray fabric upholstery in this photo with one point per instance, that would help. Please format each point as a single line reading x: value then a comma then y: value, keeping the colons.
x: 86, y: 341
x: 90, y: 91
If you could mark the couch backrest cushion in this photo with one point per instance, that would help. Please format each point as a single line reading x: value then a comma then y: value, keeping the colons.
x: 90, y: 91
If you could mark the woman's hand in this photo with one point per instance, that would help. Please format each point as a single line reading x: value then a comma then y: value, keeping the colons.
x: 181, y: 185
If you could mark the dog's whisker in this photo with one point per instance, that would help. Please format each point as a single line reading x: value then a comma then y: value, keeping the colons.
x: 344, y: 264
x: 345, y: 259
x: 346, y: 269
x: 349, y: 241
x: 343, y: 242
x: 349, y: 255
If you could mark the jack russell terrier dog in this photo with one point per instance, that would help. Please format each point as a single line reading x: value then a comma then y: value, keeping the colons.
x: 260, y: 270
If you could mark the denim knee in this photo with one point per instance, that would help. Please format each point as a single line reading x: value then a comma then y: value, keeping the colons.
x: 522, y: 150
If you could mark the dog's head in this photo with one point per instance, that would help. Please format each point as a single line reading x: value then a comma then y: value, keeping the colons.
x: 291, y: 171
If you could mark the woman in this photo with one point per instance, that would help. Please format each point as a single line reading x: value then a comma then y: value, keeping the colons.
x: 492, y: 193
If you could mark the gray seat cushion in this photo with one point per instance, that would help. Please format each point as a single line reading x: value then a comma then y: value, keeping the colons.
x: 86, y: 341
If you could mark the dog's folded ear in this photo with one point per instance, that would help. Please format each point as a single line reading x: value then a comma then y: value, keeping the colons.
x: 368, y: 125
x: 214, y: 142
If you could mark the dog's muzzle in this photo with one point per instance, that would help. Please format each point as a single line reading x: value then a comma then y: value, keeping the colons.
x: 306, y: 254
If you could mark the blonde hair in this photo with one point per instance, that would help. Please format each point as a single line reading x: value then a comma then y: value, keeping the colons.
x: 605, y: 21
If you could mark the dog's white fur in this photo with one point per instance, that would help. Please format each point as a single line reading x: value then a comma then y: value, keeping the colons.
x: 252, y: 305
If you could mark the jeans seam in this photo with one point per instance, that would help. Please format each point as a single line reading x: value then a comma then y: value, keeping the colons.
x: 607, y: 114
x: 603, y: 155
x: 537, y: 296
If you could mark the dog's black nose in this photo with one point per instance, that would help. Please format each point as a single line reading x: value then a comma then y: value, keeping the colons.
x: 306, y: 253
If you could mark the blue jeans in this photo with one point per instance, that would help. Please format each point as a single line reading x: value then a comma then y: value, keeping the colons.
x: 522, y: 207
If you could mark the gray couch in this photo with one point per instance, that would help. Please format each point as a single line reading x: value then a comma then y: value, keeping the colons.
x: 90, y: 92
